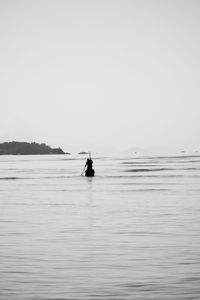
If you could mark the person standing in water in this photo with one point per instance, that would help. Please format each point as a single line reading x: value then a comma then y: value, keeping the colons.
x: 89, y: 171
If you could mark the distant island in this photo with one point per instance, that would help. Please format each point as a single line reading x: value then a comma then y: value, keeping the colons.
x: 24, y: 148
x: 83, y: 152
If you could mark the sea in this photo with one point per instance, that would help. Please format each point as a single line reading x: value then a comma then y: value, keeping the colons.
x: 132, y: 232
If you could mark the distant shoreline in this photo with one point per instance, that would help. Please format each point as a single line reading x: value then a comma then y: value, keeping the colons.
x: 25, y: 148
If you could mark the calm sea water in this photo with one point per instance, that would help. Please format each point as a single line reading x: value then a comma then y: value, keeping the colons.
x: 132, y: 232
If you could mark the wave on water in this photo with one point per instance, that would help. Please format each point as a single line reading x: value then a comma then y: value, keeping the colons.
x: 168, y: 157
x: 9, y: 178
x: 39, y: 177
x: 149, y: 170
x: 138, y: 163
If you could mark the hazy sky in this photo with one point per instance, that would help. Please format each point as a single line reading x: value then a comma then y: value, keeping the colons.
x: 88, y: 74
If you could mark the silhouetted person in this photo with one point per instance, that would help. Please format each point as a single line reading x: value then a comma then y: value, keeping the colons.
x: 89, y: 163
x: 89, y: 171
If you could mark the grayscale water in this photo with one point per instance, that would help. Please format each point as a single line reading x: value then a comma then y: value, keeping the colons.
x: 131, y: 232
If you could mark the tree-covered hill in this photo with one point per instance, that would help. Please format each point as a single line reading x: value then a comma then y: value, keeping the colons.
x: 23, y: 148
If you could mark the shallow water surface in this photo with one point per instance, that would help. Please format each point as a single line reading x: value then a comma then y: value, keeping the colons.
x: 131, y: 232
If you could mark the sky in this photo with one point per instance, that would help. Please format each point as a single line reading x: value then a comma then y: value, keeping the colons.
x: 88, y: 74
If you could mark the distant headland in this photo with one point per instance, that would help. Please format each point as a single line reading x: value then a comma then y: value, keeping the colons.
x: 24, y: 148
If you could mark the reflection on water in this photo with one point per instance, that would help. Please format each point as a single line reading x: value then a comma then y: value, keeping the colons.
x: 131, y: 232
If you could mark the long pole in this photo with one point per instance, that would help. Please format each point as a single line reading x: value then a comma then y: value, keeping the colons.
x: 83, y: 170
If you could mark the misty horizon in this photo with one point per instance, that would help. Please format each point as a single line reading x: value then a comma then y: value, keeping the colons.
x: 110, y: 150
